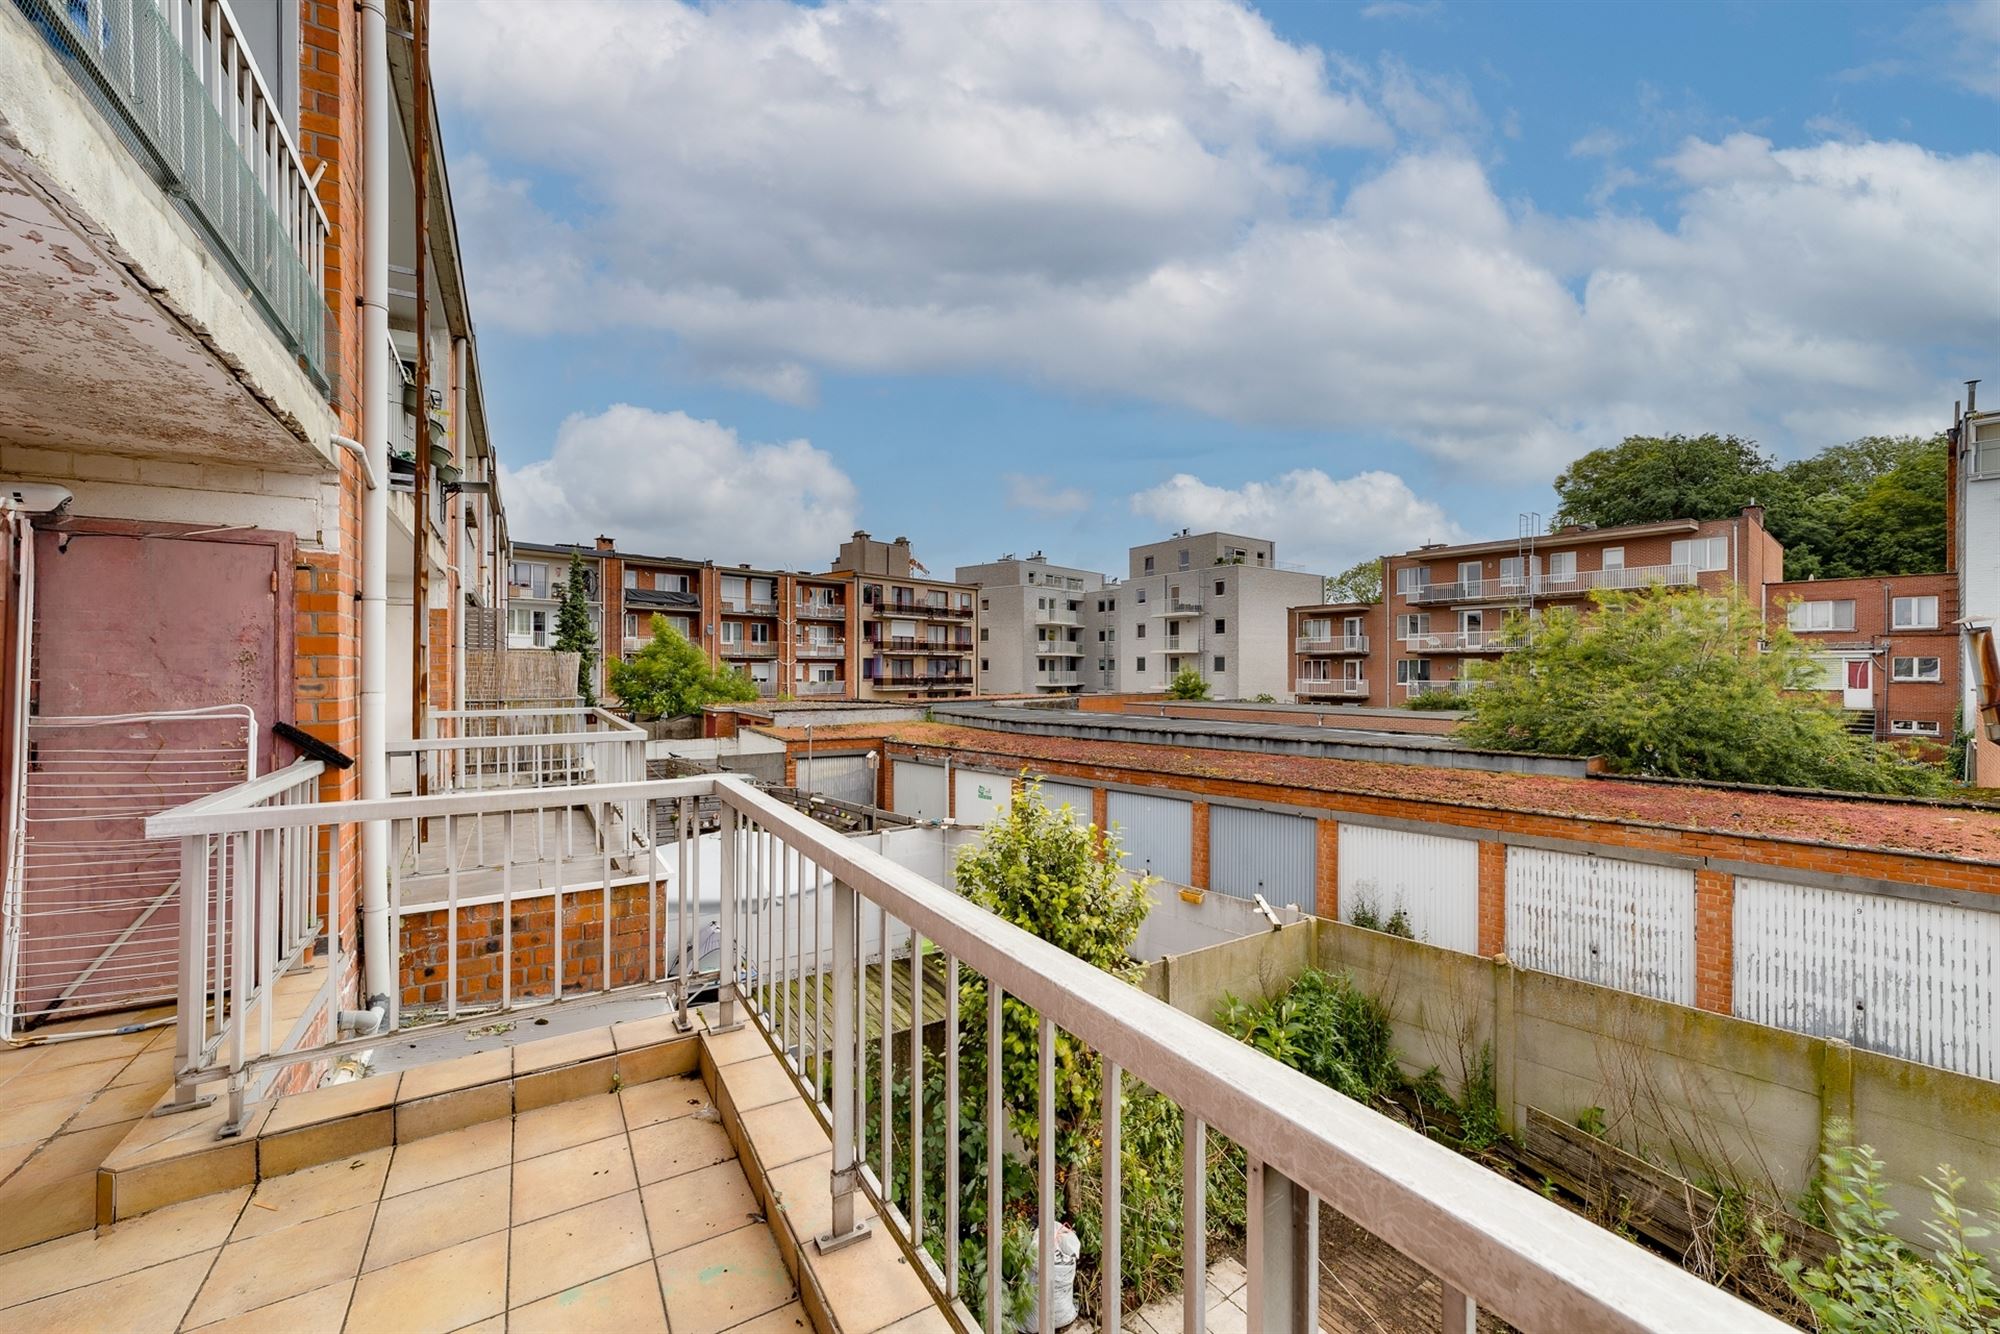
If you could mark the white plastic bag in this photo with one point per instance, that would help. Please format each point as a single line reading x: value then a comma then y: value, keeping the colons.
x: 1062, y: 1280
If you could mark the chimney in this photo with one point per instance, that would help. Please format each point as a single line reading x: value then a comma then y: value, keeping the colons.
x: 605, y: 544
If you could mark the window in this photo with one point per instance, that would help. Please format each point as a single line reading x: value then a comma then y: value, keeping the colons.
x: 1183, y: 556
x: 1914, y: 614
x: 529, y: 575
x: 1914, y: 727
x: 1221, y: 626
x: 1916, y: 669
x: 1702, y: 553
x: 1413, y: 624
x: 1986, y: 449
x: 760, y: 633
x: 1411, y: 671
x: 1149, y: 570
x: 1562, y: 567
x: 1141, y: 634
x: 1812, y: 616
x: 984, y: 634
x: 985, y: 666
x: 1139, y: 664
x: 1410, y: 578
x: 985, y: 605
x: 1219, y: 586
x: 1218, y: 662
x: 732, y: 632
x: 527, y: 627
x: 631, y: 577
x: 1142, y: 597
x: 1469, y: 572
x: 1614, y: 558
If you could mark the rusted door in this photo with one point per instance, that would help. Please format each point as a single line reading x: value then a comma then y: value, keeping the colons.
x: 136, y: 625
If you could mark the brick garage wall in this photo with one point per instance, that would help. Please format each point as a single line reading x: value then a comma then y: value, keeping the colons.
x: 482, y: 931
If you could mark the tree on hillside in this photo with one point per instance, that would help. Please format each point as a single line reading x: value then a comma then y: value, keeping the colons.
x: 1644, y: 479
x: 573, y: 632
x: 1681, y: 685
x: 1187, y: 684
x: 1359, y: 582
x: 671, y: 678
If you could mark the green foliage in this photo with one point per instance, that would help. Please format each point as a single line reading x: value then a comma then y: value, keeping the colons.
x: 1434, y: 701
x: 1325, y: 1027
x: 1957, y: 757
x: 1359, y: 582
x: 1684, y: 685
x: 1874, y: 1281
x: 1187, y: 684
x: 1367, y: 916
x: 573, y: 632
x: 1869, y: 507
x: 1265, y: 697
x: 671, y: 678
x: 1479, y: 1105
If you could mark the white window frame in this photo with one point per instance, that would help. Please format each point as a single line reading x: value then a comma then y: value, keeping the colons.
x: 1410, y: 578
x: 1410, y: 670
x: 1821, y: 616
x: 1923, y: 613
x: 1562, y: 566
x: 1915, y: 670
x: 1986, y: 449
x: 1914, y: 727
x: 1702, y: 554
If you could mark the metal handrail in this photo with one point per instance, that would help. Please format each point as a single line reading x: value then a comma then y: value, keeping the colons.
x: 1333, y: 643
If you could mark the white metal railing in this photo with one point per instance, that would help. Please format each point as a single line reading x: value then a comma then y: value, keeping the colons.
x: 1057, y: 616
x: 524, y: 747
x: 179, y: 81
x: 1461, y: 686
x: 1057, y: 678
x: 822, y: 607
x: 1627, y: 576
x: 749, y: 648
x: 1323, y: 685
x: 810, y: 928
x: 1333, y: 643
x: 816, y: 648
x: 820, y: 689
x: 1466, y: 641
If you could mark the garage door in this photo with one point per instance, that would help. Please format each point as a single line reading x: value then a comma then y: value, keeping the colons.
x: 1597, y: 919
x: 1076, y: 796
x: 1432, y: 879
x: 1157, y: 834
x: 982, y: 797
x: 842, y: 777
x: 1262, y: 852
x: 1916, y: 980
x: 919, y: 790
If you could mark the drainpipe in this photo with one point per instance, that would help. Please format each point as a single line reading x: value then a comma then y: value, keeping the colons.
x: 378, y: 964
x: 461, y: 430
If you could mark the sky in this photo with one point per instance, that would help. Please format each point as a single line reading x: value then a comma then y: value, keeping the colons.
x: 1072, y: 276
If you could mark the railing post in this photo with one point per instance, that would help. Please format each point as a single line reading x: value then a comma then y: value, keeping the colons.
x: 1461, y: 1313
x: 728, y: 899
x: 844, y: 1228
x: 1283, y: 1259
x: 191, y: 1032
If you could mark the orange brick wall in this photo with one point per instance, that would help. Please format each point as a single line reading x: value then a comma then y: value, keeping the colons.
x: 1492, y: 898
x: 1326, y: 869
x: 1714, y: 940
x: 483, y: 928
x: 1198, y: 858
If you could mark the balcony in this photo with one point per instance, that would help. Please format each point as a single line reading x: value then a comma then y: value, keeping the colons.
x: 1331, y: 688
x: 932, y: 610
x: 808, y: 1000
x: 1058, y: 648
x: 748, y: 607
x: 1177, y: 607
x: 1466, y: 590
x: 1333, y: 643
x: 749, y: 649
x: 820, y: 689
x: 1058, y: 680
x: 1460, y: 686
x: 814, y: 609
x: 1622, y: 577
x: 902, y: 644
x: 817, y: 648
x: 1462, y: 641
x: 1057, y: 616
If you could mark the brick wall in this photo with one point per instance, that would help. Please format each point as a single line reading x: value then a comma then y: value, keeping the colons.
x: 482, y: 932
x: 1874, y: 633
x: 1492, y: 898
x: 1326, y: 868
x: 1714, y: 940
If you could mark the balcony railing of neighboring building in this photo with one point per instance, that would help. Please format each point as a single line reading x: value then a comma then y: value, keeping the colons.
x: 1628, y: 576
x: 813, y: 648
x: 1461, y: 686
x: 1333, y: 643
x: 1057, y: 616
x: 1177, y: 607
x: 1331, y: 686
x: 180, y: 86
x: 249, y: 856
x: 745, y: 648
x: 1058, y: 648
x: 1057, y: 679
x: 749, y: 606
x: 820, y: 689
x: 1462, y: 641
x: 822, y: 609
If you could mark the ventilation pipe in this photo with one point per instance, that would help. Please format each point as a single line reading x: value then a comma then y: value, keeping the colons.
x: 378, y: 964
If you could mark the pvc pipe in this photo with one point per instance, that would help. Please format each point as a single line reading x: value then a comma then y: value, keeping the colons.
x: 378, y: 962
x: 360, y: 453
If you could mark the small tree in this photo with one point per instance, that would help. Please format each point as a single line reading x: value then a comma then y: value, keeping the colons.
x: 1187, y: 684
x: 1685, y: 685
x: 573, y: 632
x: 1359, y: 582
x: 671, y: 678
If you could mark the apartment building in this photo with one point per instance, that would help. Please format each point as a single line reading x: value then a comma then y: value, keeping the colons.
x: 1216, y: 602
x: 788, y: 632
x: 1036, y: 626
x: 1974, y: 553
x: 1444, y: 606
x: 1335, y: 647
x: 1887, y: 647
x: 918, y: 635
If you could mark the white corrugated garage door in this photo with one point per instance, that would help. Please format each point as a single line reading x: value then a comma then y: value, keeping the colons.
x: 980, y: 796
x: 1916, y: 980
x: 842, y: 777
x: 1158, y: 834
x: 1262, y: 852
x: 1434, y: 879
x: 919, y: 790
x: 1076, y: 796
x: 1619, y: 924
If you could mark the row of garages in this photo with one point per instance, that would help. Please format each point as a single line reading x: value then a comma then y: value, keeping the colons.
x: 1902, y: 975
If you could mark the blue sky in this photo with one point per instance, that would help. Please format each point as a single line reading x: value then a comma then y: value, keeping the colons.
x: 1069, y: 277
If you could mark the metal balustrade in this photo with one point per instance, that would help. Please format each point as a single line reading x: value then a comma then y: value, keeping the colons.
x: 813, y: 929
x: 1322, y: 685
x: 177, y: 81
x: 530, y: 747
x: 1333, y: 643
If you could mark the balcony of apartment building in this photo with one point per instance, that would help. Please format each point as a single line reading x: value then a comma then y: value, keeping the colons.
x: 821, y: 608
x: 834, y: 689
x: 821, y: 648
x: 1057, y: 616
x: 162, y: 252
x: 672, y: 1124
x: 745, y: 605
x: 749, y: 648
x: 1331, y: 687
x: 1582, y: 582
x: 1329, y: 643
x: 1172, y: 607
x: 1467, y: 639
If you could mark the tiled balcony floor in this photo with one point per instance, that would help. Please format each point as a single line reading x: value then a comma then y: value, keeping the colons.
x: 624, y: 1211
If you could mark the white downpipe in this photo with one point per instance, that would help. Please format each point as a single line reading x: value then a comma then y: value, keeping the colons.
x: 377, y: 960
x: 461, y: 426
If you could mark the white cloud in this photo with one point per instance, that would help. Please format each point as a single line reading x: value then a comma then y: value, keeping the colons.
x: 1042, y: 495
x: 1316, y: 520
x: 1131, y: 200
x: 1598, y: 143
x: 665, y: 483
x: 1972, y: 53
x: 1402, y: 9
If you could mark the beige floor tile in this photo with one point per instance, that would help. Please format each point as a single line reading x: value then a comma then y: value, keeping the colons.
x: 461, y: 1153
x: 177, y: 1134
x: 154, y: 1068
x: 332, y: 1102
x: 870, y: 1284
x: 627, y: 1302
x: 321, y: 1311
x: 790, y: 1318
x: 742, y: 1044
x: 15, y: 1060
x: 147, y: 1300
x: 93, y: 1257
x: 748, y: 1084
x: 570, y: 1177
x: 300, y: 1197
x: 282, y: 1264
x: 800, y: 1191
x: 681, y: 1145
x: 39, y: 1083
x: 566, y: 1124
x: 724, y: 1281
x: 662, y: 1100
x: 89, y: 1051
x: 116, y: 1104
x: 564, y: 1250
x: 636, y: 1033
x: 931, y: 1320
x: 698, y: 1205
x: 445, y: 1290
x: 496, y: 1324
x: 486, y: 1067
x: 547, y: 1053
x: 784, y: 1132
x: 13, y: 1155
x: 438, y: 1216
x: 32, y: 1122
x: 54, y: 1193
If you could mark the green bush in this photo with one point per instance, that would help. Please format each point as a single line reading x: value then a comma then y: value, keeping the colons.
x: 1325, y: 1027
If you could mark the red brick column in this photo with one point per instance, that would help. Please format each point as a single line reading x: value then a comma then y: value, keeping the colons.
x: 1198, y: 854
x: 1715, y: 941
x: 1492, y: 899
x: 886, y: 783
x: 1100, y: 816
x: 791, y: 768
x: 1326, y: 871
